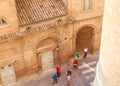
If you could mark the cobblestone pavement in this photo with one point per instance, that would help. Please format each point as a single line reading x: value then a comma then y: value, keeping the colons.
x: 82, y: 76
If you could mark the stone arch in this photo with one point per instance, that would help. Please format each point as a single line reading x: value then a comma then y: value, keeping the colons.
x: 49, y: 37
x: 56, y: 37
x: 85, y: 38
x: 93, y: 26
x: 49, y: 45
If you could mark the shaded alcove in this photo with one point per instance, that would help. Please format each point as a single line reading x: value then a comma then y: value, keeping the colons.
x: 85, y: 38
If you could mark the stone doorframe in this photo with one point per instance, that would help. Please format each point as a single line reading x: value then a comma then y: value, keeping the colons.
x: 77, y: 31
x: 54, y: 49
x: 40, y: 57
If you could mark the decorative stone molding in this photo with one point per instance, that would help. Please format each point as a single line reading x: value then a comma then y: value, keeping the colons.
x: 36, y: 29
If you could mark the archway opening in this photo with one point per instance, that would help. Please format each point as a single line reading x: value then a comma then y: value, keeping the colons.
x: 85, y: 38
x: 47, y: 54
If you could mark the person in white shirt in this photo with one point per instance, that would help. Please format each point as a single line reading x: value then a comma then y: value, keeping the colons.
x: 85, y: 52
x: 68, y: 80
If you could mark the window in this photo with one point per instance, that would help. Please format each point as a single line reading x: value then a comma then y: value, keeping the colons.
x: 2, y: 21
x: 87, y: 4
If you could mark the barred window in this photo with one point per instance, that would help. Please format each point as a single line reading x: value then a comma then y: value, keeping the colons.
x: 87, y: 4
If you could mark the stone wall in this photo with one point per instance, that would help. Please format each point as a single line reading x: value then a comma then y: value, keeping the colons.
x: 76, y: 9
x: 22, y: 49
x: 108, y: 69
x: 11, y: 51
x: 8, y: 13
x: 96, y: 24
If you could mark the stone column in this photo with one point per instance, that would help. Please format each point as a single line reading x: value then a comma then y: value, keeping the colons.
x: 108, y: 68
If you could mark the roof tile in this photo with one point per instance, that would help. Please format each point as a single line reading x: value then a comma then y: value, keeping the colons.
x: 32, y: 11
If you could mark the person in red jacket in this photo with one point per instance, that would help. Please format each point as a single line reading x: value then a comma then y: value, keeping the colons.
x: 58, y: 71
x: 69, y: 72
x: 75, y: 63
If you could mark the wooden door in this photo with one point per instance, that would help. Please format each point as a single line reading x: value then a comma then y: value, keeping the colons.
x: 8, y: 74
x: 47, y: 60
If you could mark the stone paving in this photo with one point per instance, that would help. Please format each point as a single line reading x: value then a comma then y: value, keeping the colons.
x: 82, y: 76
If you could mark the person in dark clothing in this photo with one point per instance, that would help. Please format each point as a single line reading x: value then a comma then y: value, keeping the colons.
x: 55, y: 77
x: 85, y: 52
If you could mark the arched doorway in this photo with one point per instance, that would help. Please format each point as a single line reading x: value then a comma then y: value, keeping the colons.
x: 47, y: 54
x: 85, y: 38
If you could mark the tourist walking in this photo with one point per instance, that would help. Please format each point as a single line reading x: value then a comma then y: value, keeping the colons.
x: 58, y: 71
x: 55, y: 77
x: 77, y: 55
x: 68, y: 80
x: 69, y: 72
x: 85, y: 52
x: 75, y: 63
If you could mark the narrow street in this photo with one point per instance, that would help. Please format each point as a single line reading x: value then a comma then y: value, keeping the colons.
x: 82, y: 76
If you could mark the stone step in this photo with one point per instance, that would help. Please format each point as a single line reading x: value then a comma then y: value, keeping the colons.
x: 87, y: 64
x: 88, y: 70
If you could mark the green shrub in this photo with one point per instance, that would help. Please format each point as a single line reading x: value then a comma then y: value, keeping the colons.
x: 28, y: 28
x: 59, y: 20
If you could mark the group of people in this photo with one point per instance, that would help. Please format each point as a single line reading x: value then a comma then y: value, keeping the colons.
x: 85, y: 53
x: 77, y: 57
x: 69, y: 72
x: 58, y: 73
